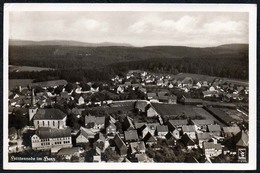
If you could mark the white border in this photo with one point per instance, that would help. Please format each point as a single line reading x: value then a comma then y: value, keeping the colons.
x: 250, y: 8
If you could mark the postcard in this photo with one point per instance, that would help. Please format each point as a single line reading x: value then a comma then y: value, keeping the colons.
x: 129, y: 86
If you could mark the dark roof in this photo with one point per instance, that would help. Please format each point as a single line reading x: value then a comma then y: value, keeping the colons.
x: 68, y: 151
x: 241, y: 139
x: 220, y: 114
x: 131, y: 135
x: 169, y: 136
x: 128, y: 124
x: 49, y: 114
x: 186, y: 140
x: 214, y: 128
x: 46, y: 132
x: 149, y: 138
x: 161, y: 128
x: 119, y: 142
x: 173, y: 110
x: 139, y: 125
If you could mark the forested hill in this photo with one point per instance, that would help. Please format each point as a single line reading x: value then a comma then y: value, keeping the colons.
x: 224, y: 61
x: 55, y: 56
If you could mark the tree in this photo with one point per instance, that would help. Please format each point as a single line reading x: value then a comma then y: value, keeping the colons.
x: 69, y: 87
x: 110, y: 155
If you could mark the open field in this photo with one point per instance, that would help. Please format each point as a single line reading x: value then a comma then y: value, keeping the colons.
x: 16, y: 82
x: 13, y: 68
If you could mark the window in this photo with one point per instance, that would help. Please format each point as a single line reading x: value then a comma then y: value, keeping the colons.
x: 48, y: 123
x: 42, y: 123
x: 38, y: 122
x: 53, y: 123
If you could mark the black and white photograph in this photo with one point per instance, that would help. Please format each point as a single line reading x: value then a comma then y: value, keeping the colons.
x: 130, y: 86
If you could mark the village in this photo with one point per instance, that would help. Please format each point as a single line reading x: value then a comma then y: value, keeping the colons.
x: 136, y: 117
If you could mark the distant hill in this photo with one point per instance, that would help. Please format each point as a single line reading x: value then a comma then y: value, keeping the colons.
x: 13, y: 42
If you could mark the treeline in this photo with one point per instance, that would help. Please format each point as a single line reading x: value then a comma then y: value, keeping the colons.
x: 71, y: 75
x: 221, y: 67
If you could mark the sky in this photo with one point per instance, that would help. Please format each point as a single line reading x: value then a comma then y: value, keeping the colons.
x: 195, y: 29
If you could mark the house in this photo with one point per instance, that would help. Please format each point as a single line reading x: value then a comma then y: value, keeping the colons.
x: 230, y: 131
x: 152, y: 127
x: 202, y: 125
x: 188, y: 142
x: 203, y: 137
x: 110, y: 128
x: 120, y: 145
x: 176, y: 124
x: 142, y: 158
x: 53, y: 118
x: 131, y: 136
x: 80, y: 100
x: 170, y: 139
x: 143, y: 90
x: 190, y: 130
x: 137, y: 147
x: 128, y: 124
x: 212, y: 150
x: 161, y: 131
x: 143, y: 130
x: 120, y: 89
x: 47, y: 138
x: 84, y: 135
x: 149, y: 139
x: 93, y: 122
x: 214, y: 129
x: 241, y: 141
x: 67, y: 153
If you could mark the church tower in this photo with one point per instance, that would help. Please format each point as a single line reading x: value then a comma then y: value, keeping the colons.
x: 33, y: 108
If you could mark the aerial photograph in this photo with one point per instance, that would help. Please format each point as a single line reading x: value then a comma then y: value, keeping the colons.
x: 124, y: 86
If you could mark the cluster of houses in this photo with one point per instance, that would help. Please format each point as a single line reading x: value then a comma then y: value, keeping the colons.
x: 172, y: 123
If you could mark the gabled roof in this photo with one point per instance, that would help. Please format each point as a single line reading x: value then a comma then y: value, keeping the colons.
x: 233, y: 130
x: 46, y: 132
x: 131, y: 135
x: 211, y: 145
x: 68, y: 151
x: 87, y: 133
x: 241, y: 139
x: 49, y: 114
x: 186, y: 140
x: 128, y: 124
x: 214, y: 128
x: 152, y: 126
x: 119, y: 142
x: 149, y: 138
x: 204, y: 136
x: 139, y: 125
x: 161, y: 128
x: 169, y: 136
x: 188, y: 128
